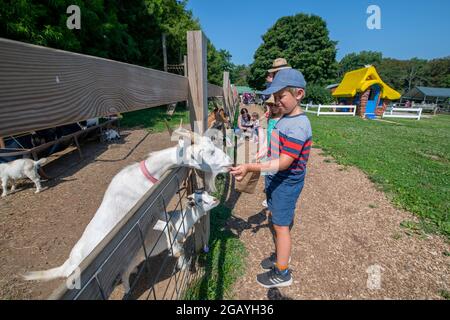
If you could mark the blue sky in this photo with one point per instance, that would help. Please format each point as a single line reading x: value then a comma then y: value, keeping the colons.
x: 408, y: 28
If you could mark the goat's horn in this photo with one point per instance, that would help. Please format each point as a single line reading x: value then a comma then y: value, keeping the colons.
x: 168, y: 127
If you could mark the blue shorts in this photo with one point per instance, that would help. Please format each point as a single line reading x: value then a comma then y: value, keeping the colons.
x: 282, y: 198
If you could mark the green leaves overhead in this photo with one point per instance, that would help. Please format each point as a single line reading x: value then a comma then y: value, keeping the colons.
x: 128, y: 31
x: 303, y: 40
x: 402, y: 75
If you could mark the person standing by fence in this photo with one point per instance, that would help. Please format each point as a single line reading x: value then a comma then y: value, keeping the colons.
x: 289, y: 152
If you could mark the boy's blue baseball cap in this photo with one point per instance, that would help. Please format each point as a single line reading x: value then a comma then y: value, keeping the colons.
x: 286, y: 78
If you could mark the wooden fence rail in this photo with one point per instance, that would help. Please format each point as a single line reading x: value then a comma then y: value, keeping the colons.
x: 43, y: 88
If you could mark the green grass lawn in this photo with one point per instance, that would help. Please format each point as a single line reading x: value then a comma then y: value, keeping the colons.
x: 410, y: 161
x: 153, y: 118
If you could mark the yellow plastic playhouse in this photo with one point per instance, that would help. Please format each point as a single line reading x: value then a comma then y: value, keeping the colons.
x: 365, y: 89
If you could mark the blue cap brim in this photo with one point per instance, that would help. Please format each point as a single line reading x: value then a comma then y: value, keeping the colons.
x: 272, y: 90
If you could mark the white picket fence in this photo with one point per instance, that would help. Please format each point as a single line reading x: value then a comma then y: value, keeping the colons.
x: 334, y: 109
x: 406, y: 113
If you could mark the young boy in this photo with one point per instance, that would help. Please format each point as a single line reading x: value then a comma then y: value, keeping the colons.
x: 290, y: 145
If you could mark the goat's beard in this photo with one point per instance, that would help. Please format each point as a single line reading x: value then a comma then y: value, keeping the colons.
x: 210, y: 179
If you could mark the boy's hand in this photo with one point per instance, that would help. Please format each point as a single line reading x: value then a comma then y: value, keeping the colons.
x: 239, y: 172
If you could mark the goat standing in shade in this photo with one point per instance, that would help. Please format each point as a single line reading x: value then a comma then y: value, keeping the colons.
x: 130, y: 184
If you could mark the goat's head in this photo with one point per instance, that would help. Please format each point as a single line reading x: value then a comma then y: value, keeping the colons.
x: 203, y: 201
x: 204, y: 154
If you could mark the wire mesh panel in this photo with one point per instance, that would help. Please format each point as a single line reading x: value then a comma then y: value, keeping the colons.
x: 161, y: 274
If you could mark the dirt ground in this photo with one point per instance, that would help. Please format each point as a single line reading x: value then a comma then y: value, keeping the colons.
x: 347, y: 242
x: 37, y: 231
x: 344, y: 229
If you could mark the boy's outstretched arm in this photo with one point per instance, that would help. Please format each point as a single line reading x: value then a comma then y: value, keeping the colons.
x: 280, y: 164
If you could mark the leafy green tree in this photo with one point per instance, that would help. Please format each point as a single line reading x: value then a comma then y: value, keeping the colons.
x: 128, y: 31
x: 317, y: 94
x: 303, y: 40
x: 355, y: 61
x: 239, y: 75
x: 218, y: 62
x: 403, y: 75
x: 437, y: 72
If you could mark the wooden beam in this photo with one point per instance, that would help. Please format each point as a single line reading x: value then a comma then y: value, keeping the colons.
x: 214, y: 91
x: 185, y: 69
x: 231, y: 98
x: 198, y: 102
x: 164, y: 51
x: 44, y: 88
x: 225, y: 86
x: 197, y: 75
x: 185, y: 66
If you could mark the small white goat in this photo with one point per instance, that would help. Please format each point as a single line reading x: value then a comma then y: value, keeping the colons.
x: 111, y: 135
x: 172, y: 233
x: 130, y: 184
x: 18, y: 169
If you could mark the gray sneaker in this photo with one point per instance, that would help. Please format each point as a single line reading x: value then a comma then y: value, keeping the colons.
x: 275, y: 278
x: 269, y: 263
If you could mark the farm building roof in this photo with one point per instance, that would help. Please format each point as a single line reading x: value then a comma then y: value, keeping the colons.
x: 244, y: 89
x: 358, y: 81
x: 422, y: 92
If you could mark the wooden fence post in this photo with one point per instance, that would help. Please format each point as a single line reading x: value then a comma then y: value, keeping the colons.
x: 164, y: 51
x: 225, y: 86
x: 231, y: 98
x: 2, y: 143
x: 198, y: 102
x: 185, y: 69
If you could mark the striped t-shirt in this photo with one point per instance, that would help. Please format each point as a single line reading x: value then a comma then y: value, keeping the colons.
x: 292, y: 135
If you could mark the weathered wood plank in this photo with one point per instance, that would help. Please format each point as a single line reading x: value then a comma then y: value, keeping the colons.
x: 226, y: 103
x: 198, y: 95
x: 198, y: 84
x: 43, y: 88
x: 214, y: 91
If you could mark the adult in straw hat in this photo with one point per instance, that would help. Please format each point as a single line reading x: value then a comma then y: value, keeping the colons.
x: 279, y: 64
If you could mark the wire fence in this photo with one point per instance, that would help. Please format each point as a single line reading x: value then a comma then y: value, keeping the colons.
x: 159, y: 276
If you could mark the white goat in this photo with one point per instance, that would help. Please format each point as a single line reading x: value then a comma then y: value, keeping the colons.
x: 172, y: 233
x: 18, y: 169
x: 130, y: 184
